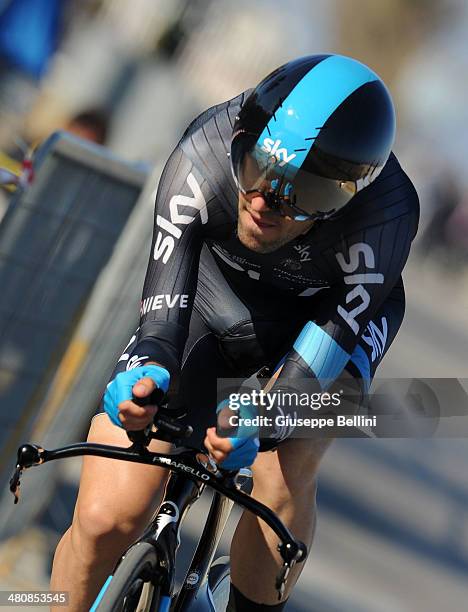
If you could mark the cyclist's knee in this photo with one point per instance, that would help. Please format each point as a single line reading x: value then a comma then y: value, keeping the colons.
x: 280, y: 497
x: 95, y: 526
x: 299, y: 459
x: 290, y: 473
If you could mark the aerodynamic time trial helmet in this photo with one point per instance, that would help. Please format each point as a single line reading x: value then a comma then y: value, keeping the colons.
x: 312, y: 134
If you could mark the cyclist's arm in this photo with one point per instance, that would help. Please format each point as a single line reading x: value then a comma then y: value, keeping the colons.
x: 369, y: 266
x: 171, y: 278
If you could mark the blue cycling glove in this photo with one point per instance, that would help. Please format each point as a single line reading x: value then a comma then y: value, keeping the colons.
x: 120, y: 389
x: 245, y: 444
x: 243, y: 454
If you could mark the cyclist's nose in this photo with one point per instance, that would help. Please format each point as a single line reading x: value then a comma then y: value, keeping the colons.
x: 258, y: 203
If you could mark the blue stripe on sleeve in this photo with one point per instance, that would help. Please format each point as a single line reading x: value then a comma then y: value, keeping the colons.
x: 321, y: 352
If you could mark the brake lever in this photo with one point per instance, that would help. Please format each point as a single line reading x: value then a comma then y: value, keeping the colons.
x: 15, y: 483
x: 28, y: 455
x: 292, y: 553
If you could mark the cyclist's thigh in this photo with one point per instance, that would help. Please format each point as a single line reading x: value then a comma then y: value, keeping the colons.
x: 113, y: 487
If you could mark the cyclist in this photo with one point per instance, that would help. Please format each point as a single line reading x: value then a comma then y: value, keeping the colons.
x: 282, y: 224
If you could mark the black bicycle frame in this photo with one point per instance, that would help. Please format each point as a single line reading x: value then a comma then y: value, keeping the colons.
x: 197, y: 573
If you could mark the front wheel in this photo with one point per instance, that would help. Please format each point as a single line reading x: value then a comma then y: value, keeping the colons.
x: 213, y: 594
x: 219, y: 583
x: 123, y: 591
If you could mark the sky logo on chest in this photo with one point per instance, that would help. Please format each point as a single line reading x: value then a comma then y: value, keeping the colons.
x: 295, y: 125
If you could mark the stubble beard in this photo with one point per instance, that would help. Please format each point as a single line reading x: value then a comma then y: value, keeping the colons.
x: 252, y: 243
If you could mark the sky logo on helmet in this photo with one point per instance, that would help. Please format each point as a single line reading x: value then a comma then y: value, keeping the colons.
x: 272, y: 146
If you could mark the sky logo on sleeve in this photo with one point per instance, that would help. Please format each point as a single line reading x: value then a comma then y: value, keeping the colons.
x: 165, y: 244
x: 358, y: 293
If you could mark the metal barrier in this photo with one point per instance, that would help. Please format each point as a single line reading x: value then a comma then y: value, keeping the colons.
x: 55, y: 240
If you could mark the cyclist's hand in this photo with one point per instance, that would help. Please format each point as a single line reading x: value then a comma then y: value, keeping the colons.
x: 239, y: 450
x: 231, y: 453
x: 219, y: 448
x: 139, y: 382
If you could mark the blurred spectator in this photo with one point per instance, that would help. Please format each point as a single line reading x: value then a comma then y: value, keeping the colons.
x: 445, y: 196
x: 91, y: 124
x: 456, y: 232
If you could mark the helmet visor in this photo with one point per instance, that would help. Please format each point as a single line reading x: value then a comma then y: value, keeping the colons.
x: 267, y: 172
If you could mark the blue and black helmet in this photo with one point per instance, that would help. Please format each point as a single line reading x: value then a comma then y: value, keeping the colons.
x: 312, y: 134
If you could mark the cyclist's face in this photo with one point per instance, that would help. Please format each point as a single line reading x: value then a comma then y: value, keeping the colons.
x: 263, y: 230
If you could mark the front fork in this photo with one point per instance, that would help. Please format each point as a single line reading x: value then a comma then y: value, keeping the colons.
x: 163, y: 530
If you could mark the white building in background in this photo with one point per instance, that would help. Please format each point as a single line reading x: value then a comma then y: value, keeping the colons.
x: 241, y: 42
x: 236, y: 44
x: 137, y: 24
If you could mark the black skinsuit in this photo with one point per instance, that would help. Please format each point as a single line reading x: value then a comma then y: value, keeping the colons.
x: 329, y: 300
